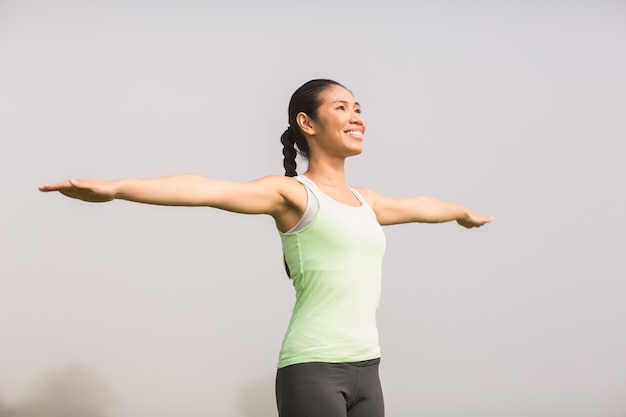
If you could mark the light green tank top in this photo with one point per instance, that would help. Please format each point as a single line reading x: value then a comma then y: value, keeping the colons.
x: 335, y: 263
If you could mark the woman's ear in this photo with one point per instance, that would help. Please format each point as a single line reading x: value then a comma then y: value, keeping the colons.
x: 305, y: 123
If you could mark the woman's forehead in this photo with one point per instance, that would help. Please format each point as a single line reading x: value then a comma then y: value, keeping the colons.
x: 337, y: 93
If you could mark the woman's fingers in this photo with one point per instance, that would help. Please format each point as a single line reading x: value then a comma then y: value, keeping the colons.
x: 87, y: 190
x: 55, y: 187
x: 475, y: 220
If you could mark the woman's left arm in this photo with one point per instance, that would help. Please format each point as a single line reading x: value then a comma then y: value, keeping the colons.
x: 422, y: 209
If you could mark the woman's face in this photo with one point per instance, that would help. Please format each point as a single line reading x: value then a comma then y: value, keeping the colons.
x: 339, y: 128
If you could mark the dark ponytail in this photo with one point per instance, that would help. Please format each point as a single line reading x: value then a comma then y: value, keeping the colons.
x: 305, y: 99
x: 289, y: 152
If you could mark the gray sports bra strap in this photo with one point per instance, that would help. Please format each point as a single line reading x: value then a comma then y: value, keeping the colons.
x: 312, y: 207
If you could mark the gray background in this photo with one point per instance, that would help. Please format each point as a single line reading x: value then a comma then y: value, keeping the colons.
x: 514, y: 109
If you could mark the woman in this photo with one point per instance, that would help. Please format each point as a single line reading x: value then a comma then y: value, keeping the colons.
x: 333, y: 245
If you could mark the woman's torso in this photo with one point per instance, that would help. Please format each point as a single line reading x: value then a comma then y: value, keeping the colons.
x: 335, y: 262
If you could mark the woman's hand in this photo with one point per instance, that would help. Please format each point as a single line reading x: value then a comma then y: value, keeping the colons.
x: 473, y: 219
x: 93, y: 191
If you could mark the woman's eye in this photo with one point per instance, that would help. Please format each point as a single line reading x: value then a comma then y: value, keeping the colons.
x: 341, y: 108
x: 357, y: 111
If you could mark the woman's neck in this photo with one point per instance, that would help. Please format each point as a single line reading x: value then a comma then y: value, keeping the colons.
x: 329, y: 173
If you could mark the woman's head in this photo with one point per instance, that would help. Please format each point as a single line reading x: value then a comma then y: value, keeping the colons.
x: 306, y: 99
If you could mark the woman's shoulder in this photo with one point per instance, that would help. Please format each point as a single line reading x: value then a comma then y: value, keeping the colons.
x: 280, y: 181
x: 291, y: 188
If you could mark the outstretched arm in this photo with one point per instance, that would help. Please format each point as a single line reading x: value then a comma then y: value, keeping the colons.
x: 420, y: 209
x: 267, y: 195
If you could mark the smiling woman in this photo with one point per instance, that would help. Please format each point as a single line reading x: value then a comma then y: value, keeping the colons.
x: 332, y: 241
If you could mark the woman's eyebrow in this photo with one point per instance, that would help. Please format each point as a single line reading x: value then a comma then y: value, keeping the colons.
x: 356, y: 103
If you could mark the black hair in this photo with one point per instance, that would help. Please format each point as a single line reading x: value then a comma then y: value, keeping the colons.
x: 306, y: 99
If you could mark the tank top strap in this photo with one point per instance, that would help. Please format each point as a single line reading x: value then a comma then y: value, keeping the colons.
x: 359, y: 197
x: 306, y: 182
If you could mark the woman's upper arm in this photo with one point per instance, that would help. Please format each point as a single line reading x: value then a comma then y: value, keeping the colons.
x: 388, y: 210
x: 268, y: 195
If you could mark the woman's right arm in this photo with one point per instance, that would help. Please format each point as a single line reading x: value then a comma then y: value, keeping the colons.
x: 269, y: 195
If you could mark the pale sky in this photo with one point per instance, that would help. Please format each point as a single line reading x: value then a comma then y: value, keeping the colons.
x: 515, y: 110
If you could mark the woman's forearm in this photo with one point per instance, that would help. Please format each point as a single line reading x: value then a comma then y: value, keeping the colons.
x: 176, y: 190
x: 431, y: 210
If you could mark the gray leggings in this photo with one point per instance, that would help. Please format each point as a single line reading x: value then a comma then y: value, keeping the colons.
x: 319, y: 389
